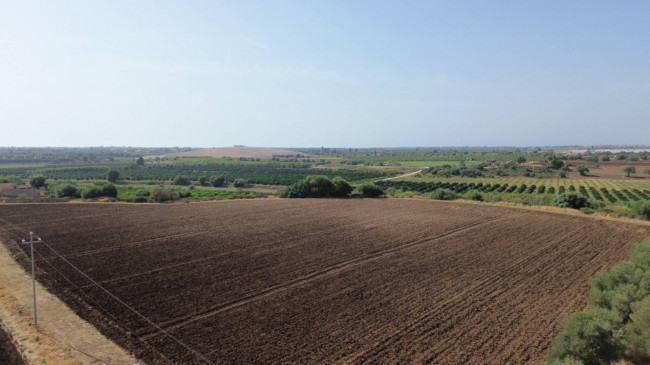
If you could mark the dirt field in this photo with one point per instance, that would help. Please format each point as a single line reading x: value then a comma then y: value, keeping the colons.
x: 234, y: 152
x: 614, y: 170
x: 323, y: 281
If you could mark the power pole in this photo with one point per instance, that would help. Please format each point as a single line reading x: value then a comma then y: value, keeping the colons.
x: 31, y: 244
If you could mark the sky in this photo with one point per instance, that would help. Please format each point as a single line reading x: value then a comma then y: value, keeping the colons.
x: 324, y: 73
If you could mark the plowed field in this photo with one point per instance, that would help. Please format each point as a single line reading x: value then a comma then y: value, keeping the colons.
x: 321, y: 281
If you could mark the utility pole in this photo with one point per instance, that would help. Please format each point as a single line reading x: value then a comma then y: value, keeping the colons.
x: 31, y: 244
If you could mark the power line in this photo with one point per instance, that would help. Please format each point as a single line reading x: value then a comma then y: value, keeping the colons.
x: 153, y: 324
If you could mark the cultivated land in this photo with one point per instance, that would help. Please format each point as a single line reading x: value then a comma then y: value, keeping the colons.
x: 263, y: 153
x: 321, y: 281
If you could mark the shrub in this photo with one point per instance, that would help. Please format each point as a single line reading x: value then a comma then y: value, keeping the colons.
x: 572, y: 200
x: 443, y: 194
x: 341, y: 187
x: 37, y: 182
x: 316, y: 186
x: 109, y: 190
x: 203, y: 180
x: 67, y: 191
x: 112, y: 175
x: 91, y: 192
x: 605, y: 159
x: 160, y: 194
x: 181, y: 180
x: 475, y: 195
x: 583, y: 170
x: 587, y: 337
x: 369, y: 191
x: 645, y: 210
x: 218, y: 181
x: 240, y: 183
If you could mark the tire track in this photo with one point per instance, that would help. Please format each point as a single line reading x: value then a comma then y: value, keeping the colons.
x: 185, y: 320
x: 462, y: 299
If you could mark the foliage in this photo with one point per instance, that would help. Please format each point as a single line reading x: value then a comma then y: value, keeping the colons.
x: 587, y: 337
x: 203, y: 180
x: 443, y: 194
x: 368, y: 191
x: 67, y: 191
x: 112, y: 175
x: 646, y: 171
x: 109, y: 190
x: 583, y: 170
x: 218, y: 181
x: 475, y: 195
x: 140, y: 161
x: 181, y: 180
x: 572, y: 200
x: 629, y: 170
x: 240, y: 183
x: 96, y: 191
x: 645, y: 210
x: 556, y: 163
x: 161, y: 194
x: 520, y: 159
x: 317, y: 186
x: 618, y: 319
x: 37, y: 182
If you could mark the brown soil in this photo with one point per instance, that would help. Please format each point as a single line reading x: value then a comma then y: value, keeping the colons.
x: 613, y: 170
x: 323, y: 281
x: 8, y: 353
x: 234, y: 152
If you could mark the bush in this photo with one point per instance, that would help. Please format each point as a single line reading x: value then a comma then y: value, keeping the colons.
x: 572, y: 200
x: 67, y: 191
x: 181, y: 180
x: 112, y: 175
x: 218, y: 181
x: 203, y: 180
x: 443, y: 194
x: 109, y: 190
x: 645, y: 210
x: 240, y: 183
x: 587, y: 337
x: 475, y: 195
x: 341, y: 187
x: 37, y: 182
x: 160, y: 195
x: 629, y: 170
x: 91, y: 192
x: 583, y: 170
x: 318, y: 186
x: 369, y: 191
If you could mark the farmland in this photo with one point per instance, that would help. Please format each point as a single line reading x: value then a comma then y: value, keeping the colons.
x: 354, y: 281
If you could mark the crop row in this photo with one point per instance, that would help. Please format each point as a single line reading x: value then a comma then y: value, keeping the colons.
x: 460, y: 187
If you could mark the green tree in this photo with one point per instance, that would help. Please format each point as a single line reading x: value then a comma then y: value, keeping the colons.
x: 646, y: 171
x: 140, y: 161
x: 572, y: 200
x: 628, y: 170
x: 240, y: 182
x: 583, y: 170
x: 112, y: 175
x: 37, y: 182
x: 556, y: 163
x: 203, y: 180
x: 341, y: 187
x: 605, y: 159
x: 67, y: 191
x: 218, y: 181
x: 443, y: 194
x: 181, y: 180
x: 520, y: 159
x: 109, y: 190
x: 369, y: 191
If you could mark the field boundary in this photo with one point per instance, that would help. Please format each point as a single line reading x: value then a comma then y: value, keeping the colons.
x: 63, y: 337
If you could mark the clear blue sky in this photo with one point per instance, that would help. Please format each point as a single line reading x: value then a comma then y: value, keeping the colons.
x: 324, y: 73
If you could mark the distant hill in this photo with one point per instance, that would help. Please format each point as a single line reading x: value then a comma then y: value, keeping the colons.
x: 235, y: 152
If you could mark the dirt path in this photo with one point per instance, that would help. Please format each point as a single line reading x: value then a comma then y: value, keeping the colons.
x: 400, y: 176
x: 63, y: 337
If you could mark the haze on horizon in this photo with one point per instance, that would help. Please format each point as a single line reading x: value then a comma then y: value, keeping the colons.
x: 317, y: 73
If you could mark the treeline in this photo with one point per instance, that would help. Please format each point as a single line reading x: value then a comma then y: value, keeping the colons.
x: 617, y: 324
x: 255, y: 174
x: 320, y: 186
